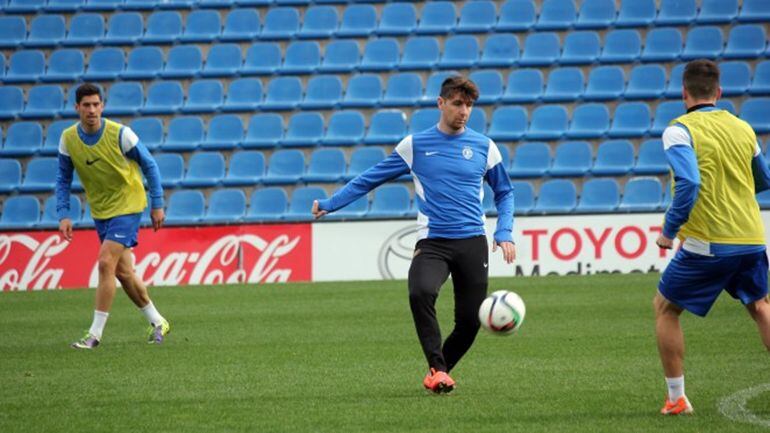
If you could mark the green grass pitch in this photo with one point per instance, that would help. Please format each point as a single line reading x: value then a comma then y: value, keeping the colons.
x: 344, y: 357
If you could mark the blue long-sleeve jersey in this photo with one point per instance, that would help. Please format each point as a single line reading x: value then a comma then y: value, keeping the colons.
x: 448, y: 173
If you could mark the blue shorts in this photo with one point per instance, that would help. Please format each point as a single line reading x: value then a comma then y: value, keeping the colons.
x: 123, y: 229
x: 694, y: 282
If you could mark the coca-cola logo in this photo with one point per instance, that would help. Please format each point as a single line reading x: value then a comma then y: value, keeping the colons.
x: 34, y: 274
x: 396, y: 253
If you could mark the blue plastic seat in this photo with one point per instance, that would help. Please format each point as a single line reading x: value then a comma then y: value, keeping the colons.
x: 631, y: 119
x: 662, y: 45
x: 225, y: 132
x: 573, y: 158
x: 652, y: 159
x: 581, y: 48
x: 524, y: 85
x: 477, y: 17
x: 599, y: 195
x: 202, y: 26
x: 390, y: 201
x: 703, y: 42
x: 21, y: 211
x: 246, y: 168
x: 605, y: 83
x: 676, y: 12
x: 25, y: 66
x: 205, y: 169
x: 641, y: 194
x: 364, y: 90
x: 143, y: 63
x: 509, y: 123
x: 500, y: 50
x: 380, y: 55
x: 433, y: 88
x: 621, y: 46
x: 103, y: 5
x: 22, y: 139
x: 490, y: 85
x: 763, y: 199
x: 532, y: 159
x: 286, y: 166
x: 302, y: 57
x: 280, y: 23
x: 24, y: 6
x: 556, y: 196
x: 13, y: 31
x: 163, y: 27
x: 549, y: 122
x: 148, y: 129
x: 346, y: 128
x: 387, y: 127
x: 746, y: 41
x: 477, y: 121
x: 362, y: 159
x: 105, y: 64
x: 52, y: 136
x: 596, y: 14
x: 727, y: 105
x: 164, y: 97
x: 326, y: 165
x: 267, y: 204
x: 755, y: 112
x: 265, y: 130
x: 140, y: 5
x: 226, y: 206
x: 184, y: 61
x: 516, y: 16
x: 304, y: 129
x: 10, y: 175
x: 241, y: 25
x: 262, y: 58
x: 85, y: 29
x: 523, y: 197
x: 422, y: 119
x: 421, y: 52
x: 354, y: 210
x: 460, y: 51
x: 564, y: 84
x: 319, y: 22
x: 589, y: 121
x: 11, y: 102
x: 674, y: 88
x: 637, y: 13
x: 754, y: 11
x: 302, y: 201
x: 646, y: 82
x: 735, y: 77
x: 403, y: 89
x: 664, y: 114
x: 323, y: 92
x: 243, y: 94
x: 46, y: 31
x: 185, y: 133
x: 614, y: 158
x: 43, y: 101
x: 223, y: 60
x: 760, y: 85
x: 397, y: 19
x: 171, y: 167
x: 717, y: 11
x: 124, y: 98
x: 65, y: 65
x: 540, y: 49
x: 340, y: 56
x: 185, y: 207
x: 556, y: 15
x: 204, y: 96
x: 358, y: 21
x: 283, y: 93
x: 41, y: 174
x: 437, y: 17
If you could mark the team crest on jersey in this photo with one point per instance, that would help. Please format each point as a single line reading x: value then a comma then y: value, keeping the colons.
x: 467, y: 152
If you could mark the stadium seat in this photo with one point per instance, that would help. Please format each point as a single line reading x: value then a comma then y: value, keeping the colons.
x: 589, y: 121
x: 262, y: 58
x: 143, y: 63
x: 346, y: 128
x: 704, y: 42
x: 500, y: 50
x: 326, y: 165
x: 202, y: 26
x: 286, y: 166
x: 13, y: 31
x: 676, y: 13
x: 319, y: 22
x: 362, y: 159
x: 531, y: 159
x: 323, y: 92
x: 652, y: 158
x: 185, y: 133
x: 148, y: 129
x: 556, y: 15
x: 664, y: 114
x: 641, y: 194
x: 646, y: 82
x: 52, y: 136
x: 540, y: 49
x: 573, y: 158
x: 184, y: 61
x: 509, y: 123
x: 662, y: 45
x: 637, y: 13
x: 64, y: 65
x: 171, y: 167
x: 599, y: 195
x: 433, y: 88
x: 490, y: 85
x: 241, y: 25
x: 243, y: 94
x: 380, y: 55
x: 283, y: 93
x: 397, y: 19
x: 420, y: 52
x: 516, y: 16
x: 746, y: 41
x: 24, y: 6
x: 22, y: 139
x: 523, y: 197
x: 25, y: 66
x: 11, y: 102
x: 163, y: 27
x: 105, y: 64
x: 225, y: 132
x: 280, y: 23
x: 354, y: 210
x: 581, y: 48
x: 760, y: 85
x: 246, y: 168
x: 727, y: 105
x: 364, y: 90
x: 302, y: 57
x: 477, y: 121
x: 460, y: 51
x: 614, y: 158
x: 674, y: 88
x: 164, y: 97
x: 223, y: 60
x: 304, y: 129
x: 754, y: 11
x: 631, y: 119
x: 717, y: 11
x: 763, y: 199
x: 302, y: 201
x: 41, y: 173
x: 340, y: 56
x: 596, y: 14
x: 10, y: 175
x: 358, y: 21
x: 204, y: 96
x: 390, y: 201
x: 549, y: 122
x: 185, y: 207
x: 204, y: 169
x: 477, y: 17
x: 755, y: 112
x: 423, y: 119
x: 524, y: 85
x: 387, y: 127
x: 103, y: 5
x: 621, y: 46
x: 564, y: 84
x: 735, y: 77
x: 439, y: 17
x: 226, y: 206
x: 267, y: 204
x: 85, y: 29
x: 20, y: 211
x: 265, y: 130
x: 45, y: 31
x: 557, y: 196
x: 140, y: 5
x: 43, y: 101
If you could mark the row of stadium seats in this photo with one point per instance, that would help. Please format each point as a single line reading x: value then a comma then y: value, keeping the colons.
x: 384, y: 54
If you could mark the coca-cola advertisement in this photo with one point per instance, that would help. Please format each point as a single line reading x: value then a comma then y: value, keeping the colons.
x: 172, y: 256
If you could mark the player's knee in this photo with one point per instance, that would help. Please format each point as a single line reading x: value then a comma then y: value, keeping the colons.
x: 106, y: 264
x: 421, y: 294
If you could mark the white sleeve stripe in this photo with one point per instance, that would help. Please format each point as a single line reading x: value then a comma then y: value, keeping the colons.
x: 63, y: 146
x: 128, y: 139
x: 404, y: 149
x: 676, y: 135
x: 494, y: 156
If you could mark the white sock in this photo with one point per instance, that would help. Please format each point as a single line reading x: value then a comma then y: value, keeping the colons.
x: 675, y: 387
x: 97, y: 326
x: 152, y: 314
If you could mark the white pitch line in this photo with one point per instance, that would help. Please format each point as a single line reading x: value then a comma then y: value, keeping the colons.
x: 734, y: 406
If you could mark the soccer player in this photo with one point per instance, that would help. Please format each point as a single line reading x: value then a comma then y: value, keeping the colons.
x: 717, y: 166
x: 449, y: 163
x: 107, y: 157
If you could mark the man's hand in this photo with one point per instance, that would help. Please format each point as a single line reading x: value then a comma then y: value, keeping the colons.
x: 317, y: 213
x: 65, y: 229
x: 509, y: 251
x: 157, y: 216
x: 664, y: 242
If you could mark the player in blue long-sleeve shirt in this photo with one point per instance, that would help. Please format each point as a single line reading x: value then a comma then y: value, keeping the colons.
x: 449, y: 164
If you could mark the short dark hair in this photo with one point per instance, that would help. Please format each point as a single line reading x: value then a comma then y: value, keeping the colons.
x: 701, y: 79
x: 87, y: 89
x: 459, y: 84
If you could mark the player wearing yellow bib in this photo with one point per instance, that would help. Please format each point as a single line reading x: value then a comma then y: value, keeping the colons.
x: 718, y: 167
x: 108, y: 157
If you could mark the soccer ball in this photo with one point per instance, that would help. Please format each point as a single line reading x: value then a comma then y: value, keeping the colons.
x: 502, y: 312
